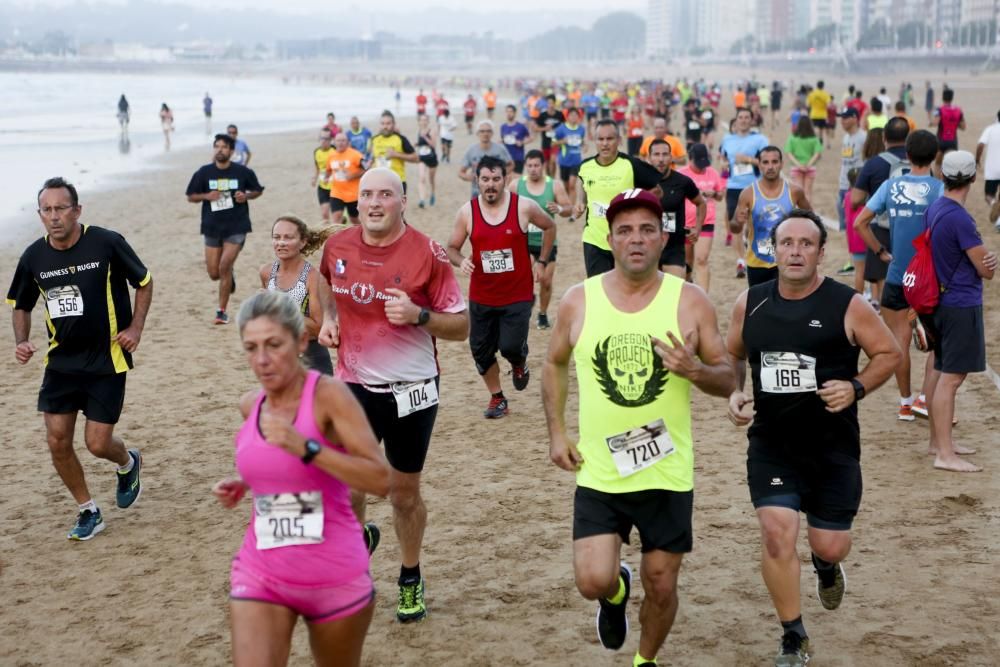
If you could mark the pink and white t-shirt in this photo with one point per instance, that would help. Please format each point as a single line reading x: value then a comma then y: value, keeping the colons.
x: 372, y: 351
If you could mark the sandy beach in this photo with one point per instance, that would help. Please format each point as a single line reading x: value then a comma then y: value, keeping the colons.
x: 153, y: 589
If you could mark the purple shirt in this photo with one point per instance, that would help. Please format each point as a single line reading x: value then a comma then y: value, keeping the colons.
x: 953, y: 232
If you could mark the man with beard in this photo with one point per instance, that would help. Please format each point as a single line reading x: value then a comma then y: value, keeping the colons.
x: 391, y: 149
x: 763, y: 204
x: 501, y: 290
x: 224, y: 188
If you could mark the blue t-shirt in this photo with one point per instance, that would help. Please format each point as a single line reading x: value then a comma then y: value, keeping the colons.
x: 240, y: 152
x: 741, y: 175
x: 953, y: 231
x: 591, y: 103
x: 905, y: 199
x: 510, y: 134
x: 571, y: 152
x: 361, y: 142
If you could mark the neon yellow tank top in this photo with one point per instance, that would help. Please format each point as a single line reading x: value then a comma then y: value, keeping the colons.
x: 627, y: 397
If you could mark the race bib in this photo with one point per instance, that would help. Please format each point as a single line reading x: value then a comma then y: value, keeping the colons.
x: 340, y: 175
x: 669, y: 222
x: 382, y: 161
x: 424, y: 151
x: 533, y: 229
x: 707, y: 115
x: 600, y: 210
x: 640, y: 448
x: 288, y: 519
x: 223, y: 203
x: 510, y: 139
x: 787, y: 373
x: 551, y: 134
x: 497, y: 261
x: 765, y: 247
x: 847, y: 151
x: 694, y: 125
x: 64, y: 301
x: 743, y: 169
x: 574, y: 140
x: 414, y: 396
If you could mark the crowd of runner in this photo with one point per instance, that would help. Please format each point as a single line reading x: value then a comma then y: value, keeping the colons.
x: 641, y: 166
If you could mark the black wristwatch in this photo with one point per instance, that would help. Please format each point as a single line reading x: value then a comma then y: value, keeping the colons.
x: 859, y: 389
x: 312, y: 449
x: 424, y: 317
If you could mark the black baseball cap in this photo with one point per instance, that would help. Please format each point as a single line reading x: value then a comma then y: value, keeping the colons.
x: 699, y: 156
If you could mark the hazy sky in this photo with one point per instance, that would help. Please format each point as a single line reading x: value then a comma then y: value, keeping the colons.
x: 329, y: 6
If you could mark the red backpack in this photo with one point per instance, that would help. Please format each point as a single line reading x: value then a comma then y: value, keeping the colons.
x: 920, y: 284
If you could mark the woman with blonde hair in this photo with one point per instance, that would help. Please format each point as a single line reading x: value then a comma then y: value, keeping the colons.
x: 292, y: 274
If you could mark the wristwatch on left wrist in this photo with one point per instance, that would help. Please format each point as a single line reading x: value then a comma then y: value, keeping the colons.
x: 859, y: 389
x: 312, y: 449
x: 424, y: 317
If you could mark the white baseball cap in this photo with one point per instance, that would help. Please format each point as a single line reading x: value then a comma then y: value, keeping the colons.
x: 958, y: 165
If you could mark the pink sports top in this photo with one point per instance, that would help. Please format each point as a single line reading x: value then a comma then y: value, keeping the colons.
x: 292, y: 537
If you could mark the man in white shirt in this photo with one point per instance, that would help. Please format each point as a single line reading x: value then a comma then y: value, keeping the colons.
x: 989, y: 142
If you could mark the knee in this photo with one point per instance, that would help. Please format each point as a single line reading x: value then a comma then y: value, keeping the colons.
x: 832, y: 552
x: 546, y: 282
x: 660, y: 589
x: 60, y: 445
x: 594, y: 585
x: 701, y: 260
x: 99, y: 447
x: 778, y: 541
x: 405, y: 499
x: 213, y: 271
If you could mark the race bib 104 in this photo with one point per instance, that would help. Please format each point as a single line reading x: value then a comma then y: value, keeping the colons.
x: 497, y: 261
x: 639, y: 448
x: 288, y: 519
x: 787, y: 373
x: 414, y: 396
x: 64, y: 301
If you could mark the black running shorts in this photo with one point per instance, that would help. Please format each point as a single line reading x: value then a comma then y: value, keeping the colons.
x: 406, y: 439
x: 100, y: 397
x: 663, y: 518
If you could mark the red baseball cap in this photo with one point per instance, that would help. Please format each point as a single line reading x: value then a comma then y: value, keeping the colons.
x: 634, y: 198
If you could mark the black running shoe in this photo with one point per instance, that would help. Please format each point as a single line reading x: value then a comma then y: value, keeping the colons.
x: 612, y: 621
x: 520, y: 376
x: 372, y: 537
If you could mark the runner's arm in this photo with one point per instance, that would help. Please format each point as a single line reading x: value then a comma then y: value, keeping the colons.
x: 701, y: 355
x: 562, y: 200
x: 459, y: 233
x: 329, y: 332
x: 555, y: 380
x: 863, y: 226
x: 865, y: 328
x: 979, y: 152
x: 739, y: 220
x: 265, y: 275
x: 533, y: 213
x: 700, y: 211
x: 734, y: 341
x: 314, y: 320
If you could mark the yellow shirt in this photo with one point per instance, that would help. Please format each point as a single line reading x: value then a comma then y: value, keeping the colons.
x: 322, y: 156
x: 381, y: 144
x: 817, y: 101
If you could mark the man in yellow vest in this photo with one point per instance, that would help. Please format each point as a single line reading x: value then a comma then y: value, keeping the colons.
x: 639, y: 339
x: 391, y: 149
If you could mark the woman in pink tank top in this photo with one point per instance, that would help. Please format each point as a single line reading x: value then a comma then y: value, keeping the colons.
x: 304, y: 444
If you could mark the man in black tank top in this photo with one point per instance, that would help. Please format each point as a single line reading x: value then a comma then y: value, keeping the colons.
x: 802, y: 334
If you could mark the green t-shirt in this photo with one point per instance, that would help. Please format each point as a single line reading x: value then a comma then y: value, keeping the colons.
x: 803, y: 148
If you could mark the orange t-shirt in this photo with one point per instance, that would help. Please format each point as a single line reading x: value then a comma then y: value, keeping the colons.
x: 739, y: 99
x: 340, y: 166
x: 491, y: 100
x: 676, y: 146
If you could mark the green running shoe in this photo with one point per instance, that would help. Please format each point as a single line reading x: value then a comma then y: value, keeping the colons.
x: 411, y: 605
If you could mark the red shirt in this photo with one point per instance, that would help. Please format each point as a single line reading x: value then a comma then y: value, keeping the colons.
x: 618, y: 107
x: 470, y: 107
x: 859, y: 106
x: 421, y: 104
x: 442, y: 106
x: 372, y: 351
x: 500, y: 254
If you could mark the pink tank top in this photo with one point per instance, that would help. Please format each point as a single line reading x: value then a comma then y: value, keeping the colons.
x: 269, y: 471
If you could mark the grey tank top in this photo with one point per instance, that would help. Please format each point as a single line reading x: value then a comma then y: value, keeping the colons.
x: 299, y: 292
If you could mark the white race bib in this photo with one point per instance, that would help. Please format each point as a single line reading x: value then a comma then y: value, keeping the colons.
x: 669, y: 220
x: 787, y: 373
x: 574, y: 140
x: 382, y: 161
x: 694, y: 125
x: 64, y: 301
x: 510, y: 139
x: 765, y: 247
x: 223, y: 203
x: 742, y: 169
x: 414, y: 396
x: 551, y: 134
x: 600, y: 210
x: 288, y: 519
x: 640, y: 447
x: 340, y: 175
x: 497, y: 261
x: 707, y: 115
x: 424, y: 151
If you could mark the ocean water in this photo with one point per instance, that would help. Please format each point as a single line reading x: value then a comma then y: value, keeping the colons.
x: 54, y: 124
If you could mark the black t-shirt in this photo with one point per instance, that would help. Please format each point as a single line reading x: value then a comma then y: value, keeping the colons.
x: 224, y: 217
x: 692, y: 125
x: 776, y: 98
x: 793, y: 346
x: 77, y: 285
x: 677, y: 190
x: 548, y: 121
